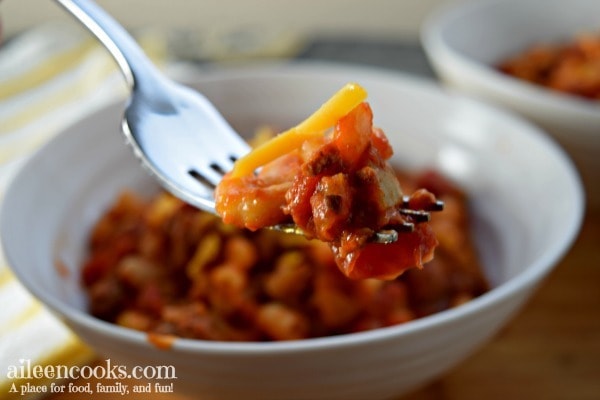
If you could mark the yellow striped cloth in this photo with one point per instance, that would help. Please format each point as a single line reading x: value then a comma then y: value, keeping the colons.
x: 50, y: 77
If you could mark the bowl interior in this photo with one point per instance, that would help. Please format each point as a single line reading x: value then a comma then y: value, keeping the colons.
x: 525, y: 194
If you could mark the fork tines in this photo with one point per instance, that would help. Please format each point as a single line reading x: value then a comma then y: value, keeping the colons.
x: 390, y: 233
x: 437, y: 205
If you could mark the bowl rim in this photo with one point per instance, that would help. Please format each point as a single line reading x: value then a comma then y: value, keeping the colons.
x: 437, y: 48
x: 529, y: 277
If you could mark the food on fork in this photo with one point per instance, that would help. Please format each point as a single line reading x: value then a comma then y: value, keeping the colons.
x: 329, y: 176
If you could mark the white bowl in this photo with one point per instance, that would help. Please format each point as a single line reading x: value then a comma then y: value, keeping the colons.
x: 526, y: 196
x: 465, y: 41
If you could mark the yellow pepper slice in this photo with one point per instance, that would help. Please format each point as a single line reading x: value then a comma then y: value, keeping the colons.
x: 340, y: 104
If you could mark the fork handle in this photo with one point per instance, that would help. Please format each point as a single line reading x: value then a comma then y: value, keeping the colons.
x: 131, y: 59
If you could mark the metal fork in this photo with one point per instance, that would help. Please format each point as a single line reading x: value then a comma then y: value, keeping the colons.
x: 176, y: 132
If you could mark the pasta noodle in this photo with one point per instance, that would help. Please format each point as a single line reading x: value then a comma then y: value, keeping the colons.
x: 324, y: 118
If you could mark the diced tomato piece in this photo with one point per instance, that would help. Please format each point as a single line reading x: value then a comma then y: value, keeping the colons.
x: 388, y: 261
x: 353, y: 133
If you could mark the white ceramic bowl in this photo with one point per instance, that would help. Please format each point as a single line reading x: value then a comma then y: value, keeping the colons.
x: 466, y: 40
x: 526, y: 196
